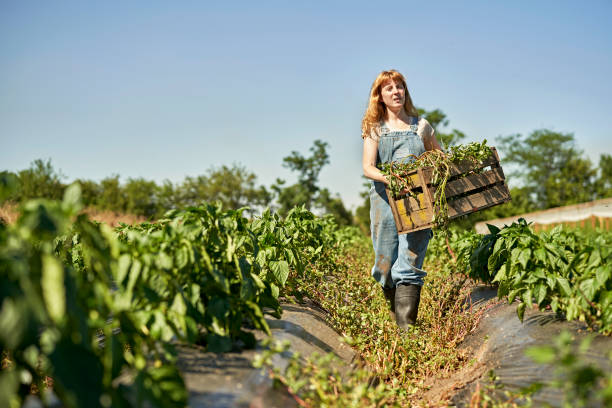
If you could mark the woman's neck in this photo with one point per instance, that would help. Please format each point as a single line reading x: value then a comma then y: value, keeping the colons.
x: 399, y: 116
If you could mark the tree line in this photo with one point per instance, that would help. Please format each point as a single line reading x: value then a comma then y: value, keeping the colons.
x: 545, y: 169
x: 232, y: 185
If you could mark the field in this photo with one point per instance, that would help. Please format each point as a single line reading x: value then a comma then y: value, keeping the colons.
x: 117, y: 301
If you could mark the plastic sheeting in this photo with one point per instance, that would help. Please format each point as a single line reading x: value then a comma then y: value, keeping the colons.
x: 502, y: 340
x: 599, y: 210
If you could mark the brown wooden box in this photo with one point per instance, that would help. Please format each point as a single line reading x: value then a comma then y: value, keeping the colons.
x: 464, y: 193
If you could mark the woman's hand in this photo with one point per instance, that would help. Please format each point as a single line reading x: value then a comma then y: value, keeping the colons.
x: 370, y: 153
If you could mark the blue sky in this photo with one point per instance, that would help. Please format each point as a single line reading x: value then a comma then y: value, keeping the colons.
x: 163, y: 90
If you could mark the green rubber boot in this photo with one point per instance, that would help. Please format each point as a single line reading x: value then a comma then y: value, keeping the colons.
x: 407, y: 299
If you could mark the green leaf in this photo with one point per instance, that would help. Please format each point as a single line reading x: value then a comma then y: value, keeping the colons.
x: 218, y: 307
x: 53, y: 289
x: 9, y: 385
x: 72, y: 198
x: 70, y: 362
x: 164, y: 261
x: 493, y: 229
x: 512, y: 295
x: 280, y: 269
x: 540, y: 254
x: 181, y: 256
x: 9, y: 184
x: 587, y: 288
x: 541, y: 292
x: 554, y: 304
x: 161, y: 387
x: 275, y: 290
x: 602, y: 275
x: 178, y: 304
x: 514, y: 256
x: 527, y: 297
x: 125, y: 261
x: 524, y: 257
x: 520, y: 311
x: 541, y: 354
x: 501, y: 274
x: 594, y: 259
x: 564, y: 286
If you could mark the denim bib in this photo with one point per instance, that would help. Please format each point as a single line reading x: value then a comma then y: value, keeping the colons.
x: 399, y: 145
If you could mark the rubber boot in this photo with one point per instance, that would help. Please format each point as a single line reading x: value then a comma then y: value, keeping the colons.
x: 407, y: 298
x: 390, y: 296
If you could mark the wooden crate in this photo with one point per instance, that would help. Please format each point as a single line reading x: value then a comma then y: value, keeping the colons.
x: 465, y: 193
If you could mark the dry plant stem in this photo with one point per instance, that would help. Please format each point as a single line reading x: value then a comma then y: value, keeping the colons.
x: 450, y: 251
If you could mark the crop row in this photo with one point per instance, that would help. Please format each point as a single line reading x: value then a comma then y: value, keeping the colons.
x: 566, y: 270
x: 78, y: 297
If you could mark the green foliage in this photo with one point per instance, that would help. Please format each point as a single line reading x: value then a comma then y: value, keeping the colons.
x: 56, y: 296
x: 550, y: 167
x: 583, y: 384
x: 569, y: 271
x: 78, y: 297
x: 141, y: 197
x: 9, y: 184
x: 234, y: 187
x: 362, y: 213
x: 604, y: 184
x: 307, y: 191
x: 334, y: 206
x: 437, y: 119
x: 112, y: 196
x: 41, y: 180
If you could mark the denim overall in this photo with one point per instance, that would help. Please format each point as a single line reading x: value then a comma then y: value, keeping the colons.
x: 399, y: 258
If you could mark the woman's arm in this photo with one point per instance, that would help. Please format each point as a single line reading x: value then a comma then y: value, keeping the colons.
x: 370, y: 152
x: 427, y: 133
x: 432, y: 143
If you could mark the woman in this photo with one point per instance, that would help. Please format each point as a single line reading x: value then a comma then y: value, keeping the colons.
x: 393, y: 131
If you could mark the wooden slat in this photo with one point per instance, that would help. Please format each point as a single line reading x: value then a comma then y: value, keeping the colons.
x: 417, y: 215
x: 415, y: 220
x: 421, y: 217
x: 410, y: 203
x: 428, y: 196
x: 422, y: 227
x: 493, y: 195
x: 472, y: 182
x: 393, y: 204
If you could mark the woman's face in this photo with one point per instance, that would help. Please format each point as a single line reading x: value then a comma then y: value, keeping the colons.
x: 393, y: 94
